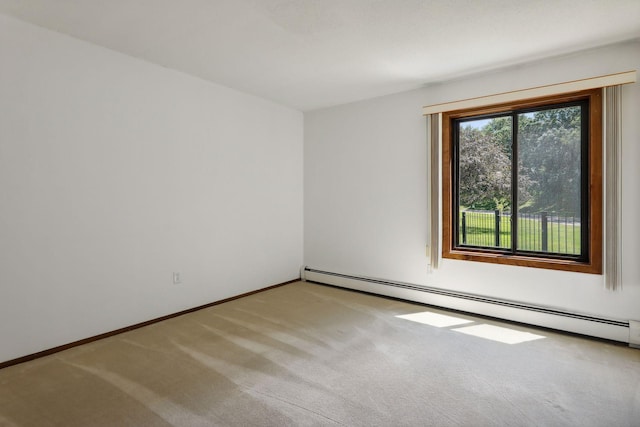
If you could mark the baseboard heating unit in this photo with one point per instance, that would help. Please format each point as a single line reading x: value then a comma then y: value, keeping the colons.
x: 611, y: 329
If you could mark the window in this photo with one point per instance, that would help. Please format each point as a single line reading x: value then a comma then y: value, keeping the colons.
x: 522, y: 183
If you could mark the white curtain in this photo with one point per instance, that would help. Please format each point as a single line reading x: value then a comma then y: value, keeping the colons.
x: 613, y: 187
x: 433, y: 199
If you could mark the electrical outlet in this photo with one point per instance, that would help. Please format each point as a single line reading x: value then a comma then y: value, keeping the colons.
x: 176, y: 278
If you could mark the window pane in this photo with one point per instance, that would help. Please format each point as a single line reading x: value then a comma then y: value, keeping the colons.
x: 549, y: 181
x: 484, y: 167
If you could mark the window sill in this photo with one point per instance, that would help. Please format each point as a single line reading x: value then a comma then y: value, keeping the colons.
x: 525, y: 261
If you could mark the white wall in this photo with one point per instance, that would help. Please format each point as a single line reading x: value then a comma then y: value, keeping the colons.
x: 365, y: 191
x: 114, y: 173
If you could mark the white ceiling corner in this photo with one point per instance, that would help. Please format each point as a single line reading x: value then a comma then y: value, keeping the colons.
x: 310, y: 54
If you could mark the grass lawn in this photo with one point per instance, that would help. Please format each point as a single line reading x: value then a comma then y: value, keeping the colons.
x: 562, y: 237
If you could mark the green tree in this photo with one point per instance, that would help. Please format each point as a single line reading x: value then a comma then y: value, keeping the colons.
x: 501, y: 130
x: 485, y: 170
x: 548, y: 162
x: 549, y: 155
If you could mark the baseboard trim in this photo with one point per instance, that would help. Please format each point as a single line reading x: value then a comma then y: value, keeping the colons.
x: 546, y: 317
x: 63, y: 347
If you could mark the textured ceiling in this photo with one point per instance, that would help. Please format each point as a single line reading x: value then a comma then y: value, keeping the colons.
x: 310, y: 54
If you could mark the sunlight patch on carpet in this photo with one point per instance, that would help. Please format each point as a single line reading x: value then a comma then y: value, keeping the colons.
x: 434, y: 319
x: 498, y: 333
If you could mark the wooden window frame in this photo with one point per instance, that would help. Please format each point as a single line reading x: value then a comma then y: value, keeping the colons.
x: 593, y: 264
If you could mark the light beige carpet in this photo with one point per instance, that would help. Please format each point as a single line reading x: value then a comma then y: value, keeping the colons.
x: 306, y: 354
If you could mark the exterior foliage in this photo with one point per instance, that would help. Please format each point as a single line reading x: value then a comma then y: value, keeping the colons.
x: 485, y: 170
x: 548, y: 162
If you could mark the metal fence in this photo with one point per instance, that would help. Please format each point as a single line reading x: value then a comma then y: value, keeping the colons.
x: 549, y: 232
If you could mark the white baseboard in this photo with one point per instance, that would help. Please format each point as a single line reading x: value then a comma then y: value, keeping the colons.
x: 611, y: 329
